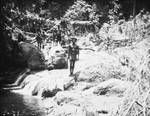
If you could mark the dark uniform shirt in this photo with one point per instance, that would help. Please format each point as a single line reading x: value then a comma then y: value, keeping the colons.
x: 73, y: 51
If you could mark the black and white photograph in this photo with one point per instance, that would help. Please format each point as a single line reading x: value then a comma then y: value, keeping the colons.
x: 74, y: 57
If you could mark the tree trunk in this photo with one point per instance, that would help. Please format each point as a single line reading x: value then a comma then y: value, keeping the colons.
x: 134, y: 8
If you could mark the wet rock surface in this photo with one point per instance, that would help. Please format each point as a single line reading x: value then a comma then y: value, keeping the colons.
x: 57, y: 57
x: 32, y: 56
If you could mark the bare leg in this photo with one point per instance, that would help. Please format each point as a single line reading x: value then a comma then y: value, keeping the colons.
x: 73, y: 64
x: 71, y: 67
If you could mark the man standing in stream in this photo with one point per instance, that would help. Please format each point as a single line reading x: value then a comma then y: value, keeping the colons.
x: 73, y: 50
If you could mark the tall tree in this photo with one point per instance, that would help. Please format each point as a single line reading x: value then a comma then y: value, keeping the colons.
x: 134, y: 7
x: 81, y: 10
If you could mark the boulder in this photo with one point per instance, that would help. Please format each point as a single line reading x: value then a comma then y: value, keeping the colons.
x: 31, y: 55
x: 58, y: 57
x: 76, y: 104
x: 110, y: 87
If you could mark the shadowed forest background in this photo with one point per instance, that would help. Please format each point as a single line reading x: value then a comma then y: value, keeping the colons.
x: 17, y: 13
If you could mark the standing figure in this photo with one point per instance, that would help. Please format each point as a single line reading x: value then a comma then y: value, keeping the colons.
x: 58, y: 38
x: 39, y: 40
x: 43, y: 36
x: 72, y: 54
x: 54, y: 37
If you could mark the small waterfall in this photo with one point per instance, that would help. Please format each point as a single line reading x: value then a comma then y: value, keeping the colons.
x: 41, y: 83
x: 21, y: 77
x: 27, y: 83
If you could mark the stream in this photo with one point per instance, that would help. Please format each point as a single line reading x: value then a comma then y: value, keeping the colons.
x: 13, y: 104
x: 16, y: 104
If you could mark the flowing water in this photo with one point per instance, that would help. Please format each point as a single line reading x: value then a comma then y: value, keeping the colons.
x: 16, y: 104
x: 18, y: 101
x: 13, y: 104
